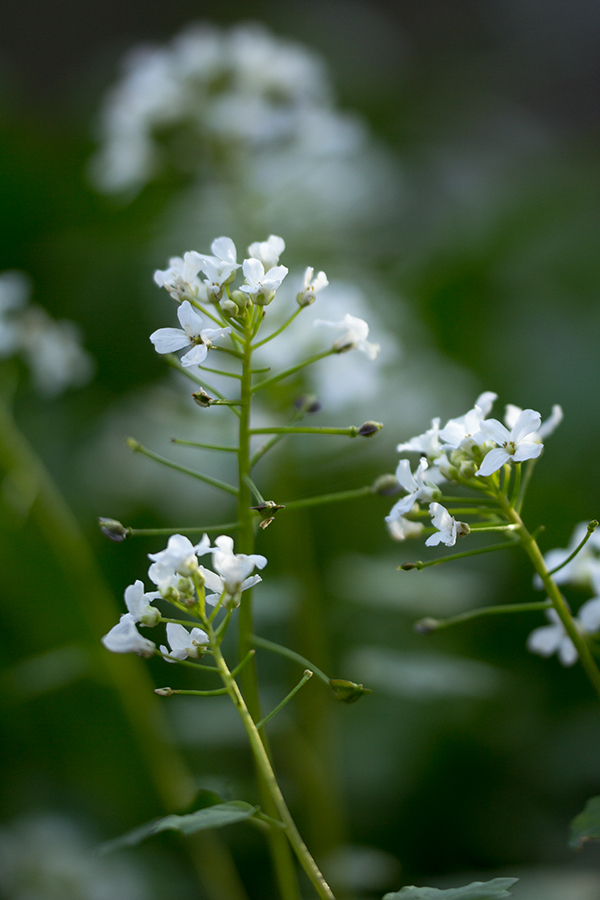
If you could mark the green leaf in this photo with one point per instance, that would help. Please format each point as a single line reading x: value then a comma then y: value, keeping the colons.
x: 210, y: 817
x: 496, y: 889
x: 586, y: 826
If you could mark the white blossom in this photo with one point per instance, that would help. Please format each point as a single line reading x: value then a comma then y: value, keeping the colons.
x: 138, y: 604
x: 53, y: 352
x: 415, y: 486
x: 401, y: 529
x: 448, y: 528
x: 180, y: 555
x: 125, y: 638
x: 167, y: 340
x: 355, y: 336
x: 218, y: 268
x: 516, y: 445
x: 184, y: 643
x: 267, y: 252
x: 466, y: 429
x: 181, y: 278
x: 428, y: 443
x: 233, y: 571
x: 512, y: 413
x: 258, y: 283
x: 312, y: 286
x: 553, y: 638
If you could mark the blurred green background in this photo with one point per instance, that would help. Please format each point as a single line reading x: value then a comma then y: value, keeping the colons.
x: 473, y: 247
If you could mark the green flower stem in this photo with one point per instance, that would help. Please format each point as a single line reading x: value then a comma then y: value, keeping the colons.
x: 457, y: 511
x: 216, y: 693
x: 525, y: 479
x: 280, y: 849
x: 514, y: 494
x: 351, y: 431
x: 478, y: 528
x: 206, y: 313
x: 290, y: 654
x: 329, y: 498
x: 279, y: 330
x: 175, y: 364
x: 229, y: 350
x: 590, y: 530
x: 534, y: 553
x: 292, y: 370
x: 220, y: 372
x: 254, y: 490
x: 263, y: 763
x: 307, y: 674
x: 126, y: 674
x: 273, y: 440
x: 443, y: 559
x: 220, y: 447
x: 427, y: 625
x: 208, y: 479
x: 184, y: 529
x: 483, y: 501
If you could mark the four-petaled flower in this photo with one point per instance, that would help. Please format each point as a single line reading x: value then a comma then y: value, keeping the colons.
x: 167, y: 340
x: 466, y: 429
x: 183, y: 643
x: 218, y: 268
x: 553, y: 638
x: 355, y: 337
x: 261, y: 285
x: 138, y: 604
x: 125, y: 638
x: 427, y: 444
x: 516, y: 445
x: 448, y: 528
x: 180, y: 556
x: 268, y: 252
x: 181, y: 278
x: 512, y: 413
x: 415, y: 485
x: 234, y: 572
x: 312, y: 286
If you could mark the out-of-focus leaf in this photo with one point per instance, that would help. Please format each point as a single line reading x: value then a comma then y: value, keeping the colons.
x: 496, y: 889
x: 586, y: 826
x: 211, y: 817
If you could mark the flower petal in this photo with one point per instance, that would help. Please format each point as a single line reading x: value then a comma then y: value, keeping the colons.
x: 167, y: 340
x: 493, y: 461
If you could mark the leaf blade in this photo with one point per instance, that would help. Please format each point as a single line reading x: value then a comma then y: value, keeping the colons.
x: 497, y: 889
x: 586, y: 826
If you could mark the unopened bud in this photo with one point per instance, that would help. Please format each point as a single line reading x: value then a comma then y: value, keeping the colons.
x: 370, y: 428
x: 133, y: 444
x: 164, y: 692
x: 462, y: 528
x: 202, y: 398
x: 171, y: 594
x: 229, y: 307
x: 406, y: 567
x: 307, y: 404
x: 267, y: 511
x: 113, y: 529
x: 240, y: 299
x: 426, y: 626
x: 264, y: 298
x: 305, y: 298
x: 467, y: 468
x: 386, y: 485
x: 347, y: 691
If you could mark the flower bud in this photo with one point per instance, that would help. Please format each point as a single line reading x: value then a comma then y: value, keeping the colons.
x: 305, y: 298
x: 202, y: 398
x: 113, y: 529
x: 369, y: 428
x: 164, y: 692
x: 229, y: 307
x: 467, y: 468
x: 347, y: 691
x: 426, y: 626
x: 241, y: 300
x: 307, y: 404
x: 264, y: 298
x: 386, y: 485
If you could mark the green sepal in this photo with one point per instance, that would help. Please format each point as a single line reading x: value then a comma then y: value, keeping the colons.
x: 497, y: 889
x: 214, y: 816
x: 347, y: 691
x: 586, y: 826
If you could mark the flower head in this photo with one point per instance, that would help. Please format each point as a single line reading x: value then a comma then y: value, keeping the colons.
x: 401, y: 529
x: 415, y: 486
x: 448, y: 528
x: 183, y: 643
x: 260, y: 285
x: 233, y: 572
x: 192, y: 332
x: 458, y: 433
x: 138, y: 604
x: 516, y: 445
x: 218, y: 268
x: 312, y: 286
x: 180, y: 556
x: 553, y: 638
x: 125, y: 638
x: 267, y: 252
x: 512, y: 413
x: 427, y: 444
x: 181, y: 278
x: 355, y: 336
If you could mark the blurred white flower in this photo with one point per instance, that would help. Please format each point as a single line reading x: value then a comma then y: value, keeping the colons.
x: 268, y: 252
x: 355, y: 335
x: 512, y: 413
x: 184, y: 643
x: 53, y: 352
x: 258, y: 283
x: 448, y: 528
x: 516, y: 445
x: 125, y: 638
x: 427, y: 444
x: 401, y: 529
x: 583, y: 569
x: 15, y: 289
x: 415, y: 486
x: 180, y: 555
x: 181, y: 278
x: 167, y: 340
x: 234, y: 571
x: 139, y: 606
x: 467, y: 428
x: 311, y: 287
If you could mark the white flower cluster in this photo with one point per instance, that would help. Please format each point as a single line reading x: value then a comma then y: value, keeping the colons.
x: 176, y: 572
x: 51, y: 349
x: 470, y: 445
x: 582, y: 571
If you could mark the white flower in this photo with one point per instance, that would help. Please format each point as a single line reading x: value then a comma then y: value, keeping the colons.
x: 401, y: 529
x: 512, y: 413
x: 415, y: 485
x: 183, y: 643
x: 259, y: 283
x: 448, y: 528
x: 53, y: 352
x: 427, y: 444
x: 466, y: 428
x: 167, y: 340
x: 553, y: 638
x: 589, y: 615
x: 268, y: 252
x: 515, y: 445
x: 125, y: 638
x: 234, y: 571
x: 218, y: 268
x: 180, y: 556
x: 181, y: 278
x: 138, y: 604
x: 312, y: 286
x: 355, y: 337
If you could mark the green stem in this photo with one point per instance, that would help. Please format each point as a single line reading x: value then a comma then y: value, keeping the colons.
x: 443, y: 559
x: 263, y: 763
x: 175, y: 364
x: 220, y: 372
x: 307, y: 674
x: 329, y: 498
x: 290, y: 654
x: 279, y: 330
x: 216, y: 693
x: 351, y: 431
x: 292, y: 370
x: 590, y: 530
x: 208, y: 479
x: 204, y: 446
x: 185, y: 529
x: 427, y: 625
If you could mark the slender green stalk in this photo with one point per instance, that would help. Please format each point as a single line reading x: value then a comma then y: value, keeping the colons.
x: 351, y: 431
x: 184, y: 529
x: 255, y: 491
x: 175, y: 364
x: 208, y: 479
x: 427, y: 625
x: 590, y: 530
x: 220, y: 447
x: 292, y: 370
x: 166, y: 692
x: 337, y: 497
x: 443, y: 559
x: 279, y: 330
x: 263, y: 763
x: 220, y: 372
x: 290, y: 654
x: 307, y: 674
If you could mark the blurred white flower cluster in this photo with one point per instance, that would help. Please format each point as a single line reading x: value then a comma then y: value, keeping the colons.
x: 51, y: 349
x: 46, y: 857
